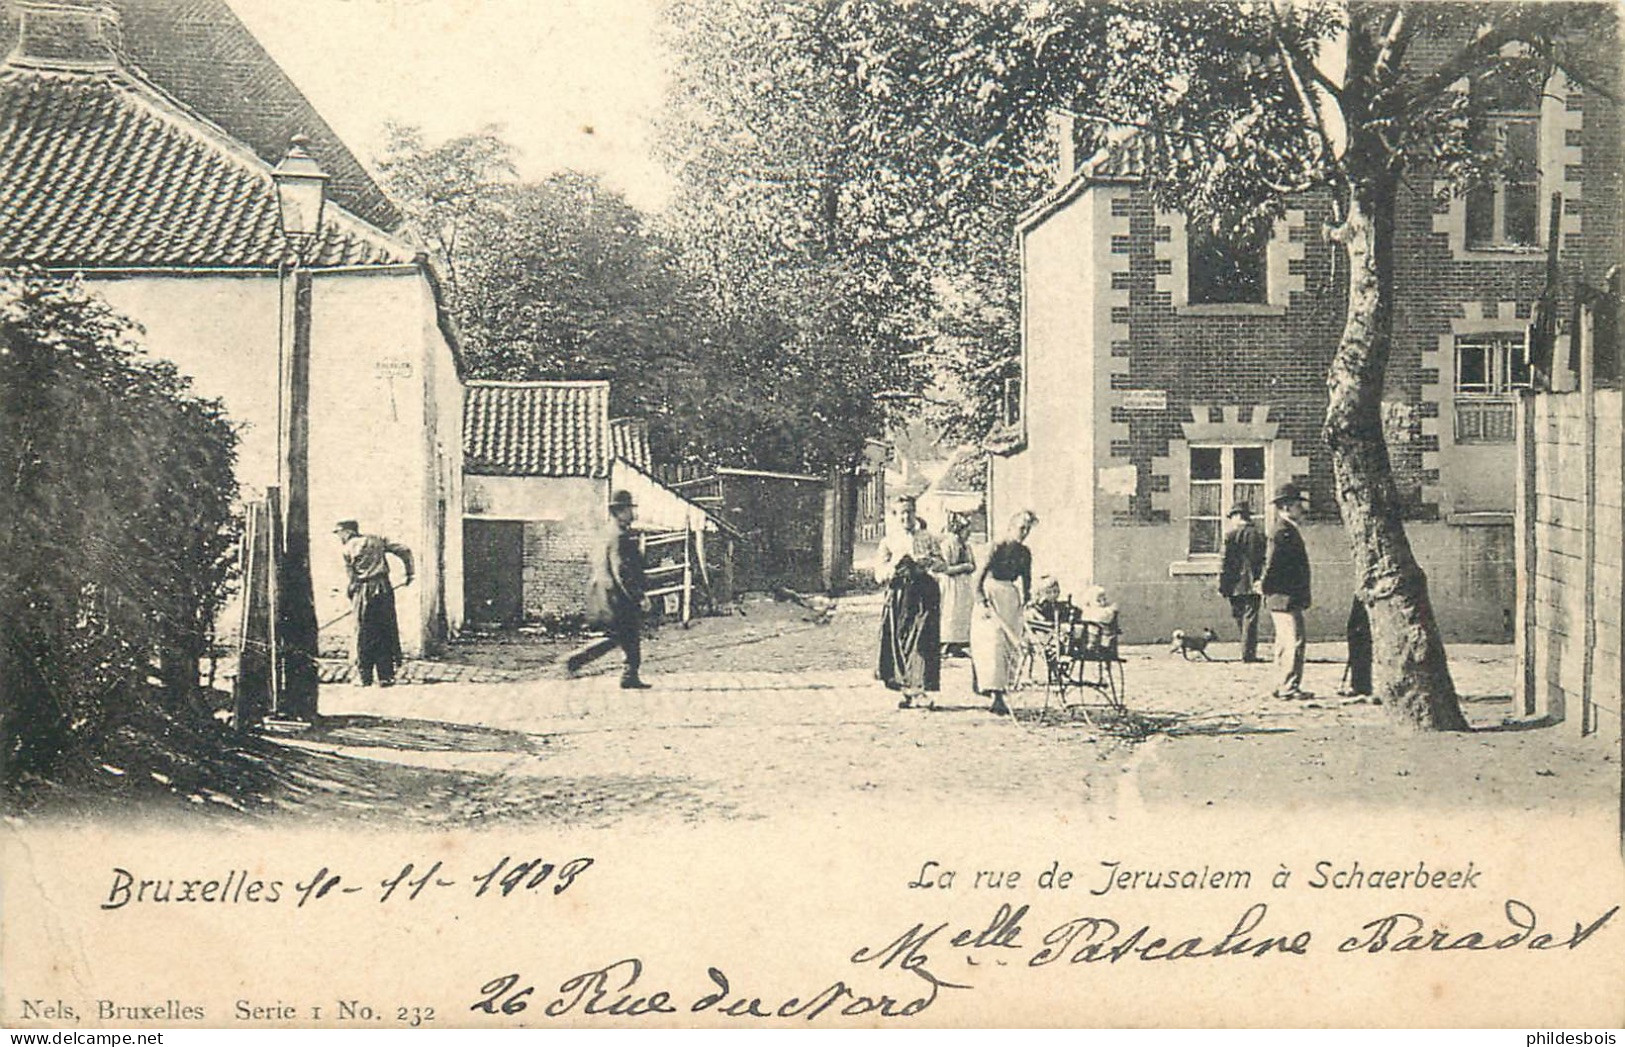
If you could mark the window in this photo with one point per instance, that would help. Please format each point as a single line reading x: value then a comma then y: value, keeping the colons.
x: 1488, y: 368
x: 1012, y: 401
x: 1225, y: 270
x: 1222, y: 477
x: 1505, y: 211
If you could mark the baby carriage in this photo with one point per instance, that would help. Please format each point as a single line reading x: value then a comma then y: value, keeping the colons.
x: 1074, y: 647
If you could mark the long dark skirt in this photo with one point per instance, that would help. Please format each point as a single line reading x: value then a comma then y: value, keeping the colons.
x: 377, y: 633
x: 910, y: 626
x: 1360, y: 653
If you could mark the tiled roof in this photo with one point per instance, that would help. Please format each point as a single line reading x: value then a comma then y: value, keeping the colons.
x: 630, y: 437
x: 537, y: 429
x: 199, y: 52
x: 1124, y: 158
x: 101, y: 169
x: 966, y: 472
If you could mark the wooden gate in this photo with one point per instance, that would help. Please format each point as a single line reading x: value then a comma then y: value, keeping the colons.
x: 670, y: 559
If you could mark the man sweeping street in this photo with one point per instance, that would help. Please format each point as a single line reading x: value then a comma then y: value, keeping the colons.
x: 372, y: 601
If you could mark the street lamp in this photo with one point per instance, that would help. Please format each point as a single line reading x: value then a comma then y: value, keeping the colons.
x: 301, y: 194
x: 301, y: 191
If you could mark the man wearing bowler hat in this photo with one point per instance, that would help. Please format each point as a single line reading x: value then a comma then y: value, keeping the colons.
x: 1286, y: 589
x: 1241, y: 567
x: 615, y: 594
x: 372, y: 600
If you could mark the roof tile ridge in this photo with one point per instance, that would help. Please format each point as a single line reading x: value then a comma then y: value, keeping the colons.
x: 175, y: 113
x: 535, y: 383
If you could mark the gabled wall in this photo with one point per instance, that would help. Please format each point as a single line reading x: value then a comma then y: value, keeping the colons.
x: 378, y: 379
x: 1067, y: 335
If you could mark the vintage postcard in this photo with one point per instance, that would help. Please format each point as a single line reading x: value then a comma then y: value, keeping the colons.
x: 786, y: 514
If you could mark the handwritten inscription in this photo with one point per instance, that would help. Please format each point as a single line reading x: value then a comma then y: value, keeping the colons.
x: 405, y: 883
x: 1100, y: 938
x: 1407, y: 932
x: 617, y: 990
x: 621, y: 989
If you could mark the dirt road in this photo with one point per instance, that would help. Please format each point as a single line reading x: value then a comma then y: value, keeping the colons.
x: 774, y: 716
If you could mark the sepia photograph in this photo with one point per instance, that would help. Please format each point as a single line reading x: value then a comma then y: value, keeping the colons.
x: 811, y: 513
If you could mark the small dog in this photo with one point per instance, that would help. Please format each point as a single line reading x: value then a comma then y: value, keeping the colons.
x: 1185, y: 646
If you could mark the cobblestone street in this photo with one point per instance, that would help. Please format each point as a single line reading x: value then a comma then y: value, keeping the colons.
x: 771, y: 716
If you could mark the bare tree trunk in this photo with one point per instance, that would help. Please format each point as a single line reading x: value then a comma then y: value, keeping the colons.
x: 1410, y: 672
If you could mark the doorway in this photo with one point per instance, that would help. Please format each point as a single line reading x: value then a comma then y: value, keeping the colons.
x: 494, y: 571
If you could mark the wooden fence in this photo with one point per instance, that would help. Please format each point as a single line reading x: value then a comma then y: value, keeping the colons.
x: 1568, y: 558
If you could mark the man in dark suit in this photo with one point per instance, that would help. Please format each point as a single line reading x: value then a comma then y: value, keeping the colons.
x: 1286, y: 588
x: 615, y: 594
x: 1243, y: 565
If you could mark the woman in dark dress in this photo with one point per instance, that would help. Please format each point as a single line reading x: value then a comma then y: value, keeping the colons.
x: 910, y: 624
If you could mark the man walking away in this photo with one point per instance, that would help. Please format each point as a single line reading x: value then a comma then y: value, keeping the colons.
x: 1243, y: 566
x: 615, y: 594
x: 372, y: 600
x: 1286, y: 589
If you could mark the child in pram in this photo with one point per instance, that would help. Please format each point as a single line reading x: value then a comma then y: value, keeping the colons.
x: 1058, y: 629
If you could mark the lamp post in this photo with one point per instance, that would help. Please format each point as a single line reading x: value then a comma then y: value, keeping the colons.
x: 301, y: 189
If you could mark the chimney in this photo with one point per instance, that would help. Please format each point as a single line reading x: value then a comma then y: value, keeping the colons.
x: 1063, y: 129
x: 72, y: 34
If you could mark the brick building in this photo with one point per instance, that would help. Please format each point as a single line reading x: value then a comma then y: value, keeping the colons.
x: 1159, y: 388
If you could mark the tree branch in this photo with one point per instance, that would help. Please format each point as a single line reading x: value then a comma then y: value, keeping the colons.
x: 1328, y: 153
x: 1467, y: 60
x: 1586, y: 81
x: 1391, y: 46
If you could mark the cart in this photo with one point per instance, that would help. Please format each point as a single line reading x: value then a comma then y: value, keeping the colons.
x: 1074, y: 653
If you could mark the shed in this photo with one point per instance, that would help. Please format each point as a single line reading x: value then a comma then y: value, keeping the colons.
x: 541, y: 459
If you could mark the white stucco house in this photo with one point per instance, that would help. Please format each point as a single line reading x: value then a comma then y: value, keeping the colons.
x: 137, y: 141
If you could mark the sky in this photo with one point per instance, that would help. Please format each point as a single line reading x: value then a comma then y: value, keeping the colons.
x: 574, y: 84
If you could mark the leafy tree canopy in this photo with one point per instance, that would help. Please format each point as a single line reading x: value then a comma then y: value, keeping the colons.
x: 117, y: 536
x: 562, y: 278
x: 811, y: 177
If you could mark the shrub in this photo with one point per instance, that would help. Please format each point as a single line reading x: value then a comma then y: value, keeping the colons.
x: 117, y: 537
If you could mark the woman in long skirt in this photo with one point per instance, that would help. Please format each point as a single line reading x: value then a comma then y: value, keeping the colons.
x: 954, y: 581
x: 1002, y: 583
x: 910, y: 652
